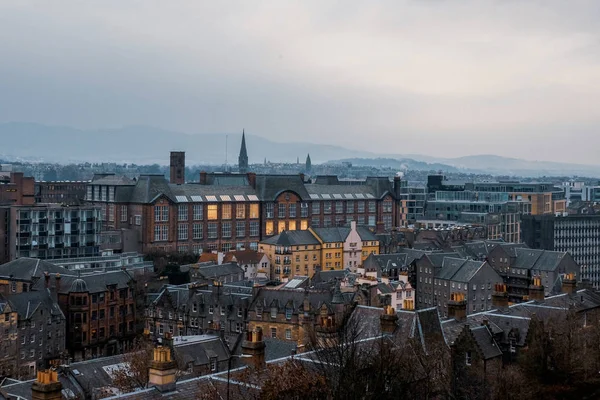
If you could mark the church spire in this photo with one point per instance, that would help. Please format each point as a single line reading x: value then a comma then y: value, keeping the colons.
x: 308, y: 163
x: 243, y: 158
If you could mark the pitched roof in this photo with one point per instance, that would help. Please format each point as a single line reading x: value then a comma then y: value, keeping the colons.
x: 28, y: 268
x: 543, y: 260
x: 244, y: 256
x: 333, y: 234
x: 268, y: 187
x: 292, y: 238
x: 459, y: 270
x: 486, y: 343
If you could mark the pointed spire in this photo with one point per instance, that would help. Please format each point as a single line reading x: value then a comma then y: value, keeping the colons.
x: 243, y: 158
x: 308, y: 163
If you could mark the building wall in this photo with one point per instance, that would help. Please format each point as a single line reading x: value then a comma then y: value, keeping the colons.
x: 8, y: 342
x: 304, y: 260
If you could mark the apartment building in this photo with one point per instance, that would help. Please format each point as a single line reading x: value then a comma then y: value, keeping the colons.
x: 60, y: 192
x: 577, y: 234
x: 49, y: 231
x: 15, y: 188
x: 304, y: 252
x: 545, y: 199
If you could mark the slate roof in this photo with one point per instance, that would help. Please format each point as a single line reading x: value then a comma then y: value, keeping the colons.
x: 28, y: 268
x: 268, y: 187
x: 27, y: 303
x: 198, y: 350
x: 292, y: 238
x: 333, y: 234
x: 284, y: 298
x: 245, y: 256
x: 486, y: 343
x: 216, y: 270
x: 458, y: 269
x: 543, y: 260
x: 95, y: 282
x: 112, y: 180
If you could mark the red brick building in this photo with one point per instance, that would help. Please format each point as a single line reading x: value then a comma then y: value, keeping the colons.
x: 231, y: 211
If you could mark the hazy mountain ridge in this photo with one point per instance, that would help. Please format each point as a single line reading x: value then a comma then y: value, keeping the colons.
x: 148, y: 145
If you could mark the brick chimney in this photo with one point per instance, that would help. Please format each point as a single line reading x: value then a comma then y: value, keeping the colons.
x: 254, y: 346
x: 388, y: 320
x: 177, y: 167
x: 203, y: 177
x: 457, y: 306
x: 252, y: 179
x: 569, y: 284
x: 500, y: 296
x: 163, y: 370
x: 46, y: 386
x: 536, y: 289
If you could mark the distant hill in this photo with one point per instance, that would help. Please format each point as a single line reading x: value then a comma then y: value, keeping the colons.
x: 140, y: 144
x: 148, y: 145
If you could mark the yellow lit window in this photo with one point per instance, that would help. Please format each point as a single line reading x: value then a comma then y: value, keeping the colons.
x: 253, y: 210
x: 292, y: 226
x: 211, y: 210
x: 304, y: 224
x: 281, y: 227
x: 269, y: 228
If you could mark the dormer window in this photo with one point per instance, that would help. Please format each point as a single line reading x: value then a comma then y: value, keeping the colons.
x: 288, y: 313
x: 273, y: 312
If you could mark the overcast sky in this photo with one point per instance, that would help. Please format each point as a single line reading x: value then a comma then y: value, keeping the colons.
x: 446, y: 78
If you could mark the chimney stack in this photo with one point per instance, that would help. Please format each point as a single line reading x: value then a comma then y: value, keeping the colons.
x: 177, y: 167
x: 203, y: 177
x: 163, y: 370
x: 254, y: 346
x: 500, y: 296
x: 569, y: 284
x: 536, y: 289
x: 252, y: 179
x: 457, y: 306
x: 46, y: 386
x: 388, y: 320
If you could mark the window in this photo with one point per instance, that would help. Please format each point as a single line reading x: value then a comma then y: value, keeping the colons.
x: 387, y: 222
x: 361, y: 206
x: 372, y: 207
x: 269, y: 210
x: 339, y: 207
x: 288, y: 313
x: 327, y: 207
x: 315, y: 222
x: 303, y: 210
x: 240, y: 211
x: 197, y: 231
x: 111, y: 212
x: 349, y: 207
x: 161, y: 233
x: 138, y: 220
x: 212, y: 212
x: 269, y: 228
x: 274, y: 333
x: 387, y: 206
x: 226, y: 229
x: 326, y: 222
x: 240, y: 229
x: 212, y: 230
x: 281, y: 226
x: 254, y: 229
x: 468, y: 358
x: 281, y: 210
x: 182, y: 232
x: 210, y: 309
x: 316, y: 208
x: 123, y: 213
x: 371, y: 220
x: 288, y: 334
x: 292, y: 210
x: 226, y: 211
x: 254, y: 211
x: 161, y: 213
x: 197, y: 212
x: 273, y: 312
x: 213, y: 364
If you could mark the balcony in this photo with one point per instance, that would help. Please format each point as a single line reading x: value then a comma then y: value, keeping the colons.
x: 59, y: 246
x: 90, y: 231
x: 74, y: 231
x: 24, y: 234
x: 59, y: 220
x: 283, y: 251
x: 287, y: 262
x: 43, y: 246
x: 75, y: 220
x: 43, y: 220
x: 90, y: 219
x: 59, y: 232
x: 43, y: 233
x: 74, y: 244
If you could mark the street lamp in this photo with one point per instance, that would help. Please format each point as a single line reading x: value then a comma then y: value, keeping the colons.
x: 229, y: 367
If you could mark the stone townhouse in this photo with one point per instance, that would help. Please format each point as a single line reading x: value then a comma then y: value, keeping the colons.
x: 41, y: 332
x: 8, y: 339
x: 198, y: 309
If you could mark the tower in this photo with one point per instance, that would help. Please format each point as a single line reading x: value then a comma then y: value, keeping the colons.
x: 243, y: 158
x: 308, y: 163
x: 177, y: 167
